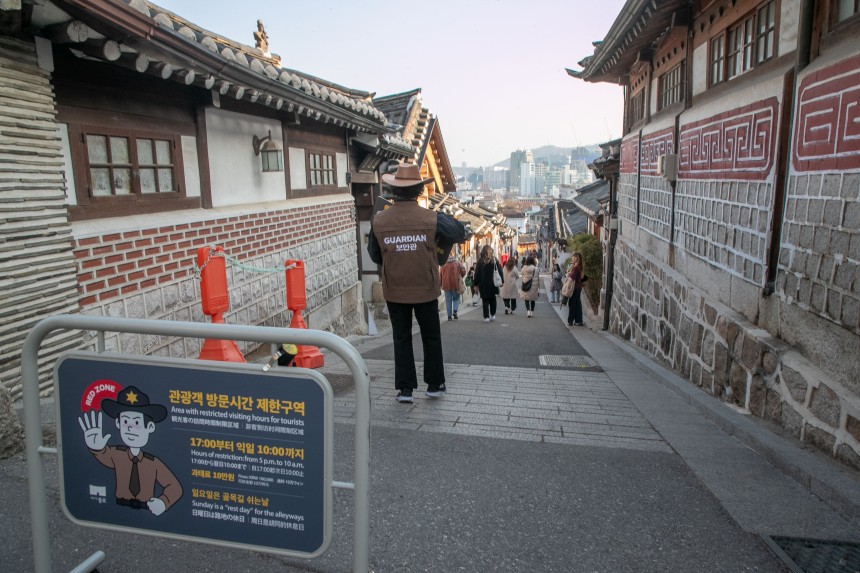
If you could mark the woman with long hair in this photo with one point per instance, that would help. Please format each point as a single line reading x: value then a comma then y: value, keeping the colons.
x: 530, y: 277
x: 487, y: 265
x: 574, y: 305
x: 509, y: 289
x: 555, y: 282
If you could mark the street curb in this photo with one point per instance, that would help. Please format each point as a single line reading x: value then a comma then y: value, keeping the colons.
x: 824, y: 478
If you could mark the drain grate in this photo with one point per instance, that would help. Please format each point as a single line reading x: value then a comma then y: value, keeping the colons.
x: 816, y: 555
x: 567, y: 361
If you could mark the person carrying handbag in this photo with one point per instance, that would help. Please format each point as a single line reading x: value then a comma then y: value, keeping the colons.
x: 488, y: 266
x: 529, y: 288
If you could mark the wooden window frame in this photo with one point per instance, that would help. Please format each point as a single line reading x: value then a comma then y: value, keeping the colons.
x: 92, y: 206
x: 321, y: 177
x: 717, y: 59
x: 671, y: 86
x: 836, y: 20
x: 766, y: 38
x: 637, y: 107
x: 740, y: 44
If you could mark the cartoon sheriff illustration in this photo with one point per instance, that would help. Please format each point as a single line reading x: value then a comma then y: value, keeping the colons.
x: 137, y: 471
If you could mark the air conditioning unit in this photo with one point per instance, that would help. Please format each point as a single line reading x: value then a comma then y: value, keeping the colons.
x: 667, y: 166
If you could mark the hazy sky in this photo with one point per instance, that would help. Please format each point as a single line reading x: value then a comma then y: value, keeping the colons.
x: 493, y: 71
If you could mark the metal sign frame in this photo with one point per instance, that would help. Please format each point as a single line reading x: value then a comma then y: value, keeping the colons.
x: 32, y: 415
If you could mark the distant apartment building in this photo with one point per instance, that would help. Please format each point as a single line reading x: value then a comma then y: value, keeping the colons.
x: 527, y: 179
x: 497, y: 178
x: 518, y: 157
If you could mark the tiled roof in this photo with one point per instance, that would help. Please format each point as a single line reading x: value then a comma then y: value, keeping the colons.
x: 638, y: 25
x: 153, y: 40
x: 479, y: 220
x: 590, y: 196
x: 576, y: 221
x: 417, y: 125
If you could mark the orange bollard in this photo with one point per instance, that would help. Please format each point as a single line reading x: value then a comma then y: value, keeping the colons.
x: 215, y: 300
x: 308, y: 356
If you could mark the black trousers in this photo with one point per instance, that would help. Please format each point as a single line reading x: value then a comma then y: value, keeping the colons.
x: 488, y: 305
x: 574, y: 313
x: 427, y: 315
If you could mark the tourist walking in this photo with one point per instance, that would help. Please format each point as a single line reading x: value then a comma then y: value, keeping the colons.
x: 485, y: 272
x: 451, y: 273
x: 473, y: 287
x: 403, y: 240
x: 574, y: 305
x: 530, y: 286
x: 555, y: 282
x: 509, y: 289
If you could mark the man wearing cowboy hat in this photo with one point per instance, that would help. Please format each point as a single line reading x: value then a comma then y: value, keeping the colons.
x: 137, y: 472
x: 403, y: 239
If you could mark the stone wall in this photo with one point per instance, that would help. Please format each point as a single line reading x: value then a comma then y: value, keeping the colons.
x: 728, y: 357
x: 726, y: 224
x: 692, y: 296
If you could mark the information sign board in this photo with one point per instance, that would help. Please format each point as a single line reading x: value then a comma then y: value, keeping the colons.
x: 215, y: 452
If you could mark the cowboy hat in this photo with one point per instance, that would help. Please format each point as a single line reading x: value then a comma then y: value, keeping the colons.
x: 407, y: 175
x: 131, y: 399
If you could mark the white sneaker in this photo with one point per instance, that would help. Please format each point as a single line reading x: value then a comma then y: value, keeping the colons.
x: 486, y: 320
x: 493, y: 317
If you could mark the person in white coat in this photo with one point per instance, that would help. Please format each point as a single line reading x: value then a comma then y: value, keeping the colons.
x: 509, y: 289
x: 530, y: 279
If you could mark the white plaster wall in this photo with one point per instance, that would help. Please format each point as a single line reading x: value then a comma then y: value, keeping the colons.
x: 236, y: 173
x: 341, y: 165
x: 298, y: 173
x: 191, y: 166
x: 700, y: 69
x: 789, y: 13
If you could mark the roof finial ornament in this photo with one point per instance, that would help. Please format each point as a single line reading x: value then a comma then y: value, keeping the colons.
x: 261, y: 38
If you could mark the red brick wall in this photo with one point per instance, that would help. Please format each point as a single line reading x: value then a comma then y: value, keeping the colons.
x: 120, y: 263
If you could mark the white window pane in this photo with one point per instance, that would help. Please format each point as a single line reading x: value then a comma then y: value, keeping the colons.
x: 119, y: 150
x: 147, y: 181
x: 144, y: 152
x: 100, y: 182
x: 165, y: 180
x: 122, y: 181
x: 162, y: 152
x: 97, y: 149
x: 847, y: 8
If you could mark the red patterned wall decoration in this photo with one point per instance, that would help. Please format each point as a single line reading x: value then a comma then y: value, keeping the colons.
x: 736, y: 144
x: 653, y: 146
x: 629, y: 155
x: 827, y: 125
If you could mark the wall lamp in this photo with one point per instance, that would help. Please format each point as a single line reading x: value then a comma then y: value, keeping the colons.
x: 273, y: 154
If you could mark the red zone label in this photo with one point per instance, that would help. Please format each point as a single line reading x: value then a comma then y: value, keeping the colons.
x: 737, y: 144
x: 827, y: 125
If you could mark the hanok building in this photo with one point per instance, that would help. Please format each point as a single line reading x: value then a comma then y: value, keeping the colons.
x: 737, y: 258
x: 131, y: 137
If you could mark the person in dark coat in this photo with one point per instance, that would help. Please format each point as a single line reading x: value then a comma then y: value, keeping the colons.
x: 487, y: 264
